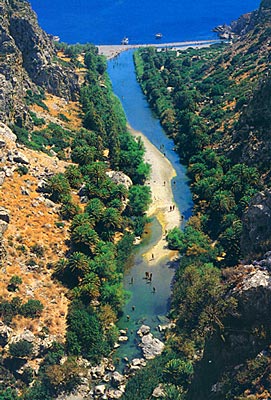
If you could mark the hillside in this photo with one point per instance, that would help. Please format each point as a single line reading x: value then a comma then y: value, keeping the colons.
x: 68, y: 166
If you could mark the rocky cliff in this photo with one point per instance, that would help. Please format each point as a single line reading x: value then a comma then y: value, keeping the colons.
x: 27, y: 59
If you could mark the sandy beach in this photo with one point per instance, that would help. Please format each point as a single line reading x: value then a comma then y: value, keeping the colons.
x: 162, y: 173
x: 111, y: 51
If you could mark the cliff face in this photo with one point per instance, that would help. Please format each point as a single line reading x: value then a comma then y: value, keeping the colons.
x: 233, y: 357
x: 27, y: 59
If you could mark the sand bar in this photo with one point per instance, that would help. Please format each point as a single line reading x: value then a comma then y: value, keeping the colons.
x: 162, y: 172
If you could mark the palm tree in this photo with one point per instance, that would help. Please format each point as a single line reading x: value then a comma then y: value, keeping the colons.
x: 78, y: 263
x: 90, y: 286
x: 85, y: 235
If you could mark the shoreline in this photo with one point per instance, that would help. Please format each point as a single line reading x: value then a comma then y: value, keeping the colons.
x: 112, y: 51
x: 163, y: 206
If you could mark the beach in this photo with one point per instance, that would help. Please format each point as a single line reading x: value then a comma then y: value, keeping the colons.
x: 162, y: 172
x: 111, y: 51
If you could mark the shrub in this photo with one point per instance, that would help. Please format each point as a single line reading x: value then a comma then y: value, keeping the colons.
x: 14, y: 283
x: 32, y: 308
x: 20, y: 349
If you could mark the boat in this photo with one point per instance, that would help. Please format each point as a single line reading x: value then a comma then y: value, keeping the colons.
x: 158, y: 36
x: 125, y: 40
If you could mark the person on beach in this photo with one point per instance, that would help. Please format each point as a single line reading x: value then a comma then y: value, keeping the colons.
x: 147, y: 275
x: 153, y: 289
x: 152, y: 256
x: 132, y: 280
x: 128, y: 317
x: 150, y: 276
x: 133, y: 308
x: 170, y: 208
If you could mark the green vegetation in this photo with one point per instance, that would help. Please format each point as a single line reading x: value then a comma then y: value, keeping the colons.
x: 204, y: 101
x: 23, y: 348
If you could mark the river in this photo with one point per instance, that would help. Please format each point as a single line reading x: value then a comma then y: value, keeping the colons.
x: 143, y: 305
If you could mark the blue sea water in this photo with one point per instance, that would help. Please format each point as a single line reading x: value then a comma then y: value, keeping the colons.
x: 108, y: 21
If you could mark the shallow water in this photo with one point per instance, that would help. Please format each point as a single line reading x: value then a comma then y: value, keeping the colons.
x: 150, y: 307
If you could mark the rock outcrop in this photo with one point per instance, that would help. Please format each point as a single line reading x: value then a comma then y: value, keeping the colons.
x: 256, y: 235
x: 27, y: 59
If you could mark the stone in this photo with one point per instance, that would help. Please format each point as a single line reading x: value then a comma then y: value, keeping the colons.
x: 5, y: 333
x: 138, y: 362
x: 3, y: 227
x: 6, y: 133
x: 98, y: 371
x: 158, y: 392
x: 151, y: 347
x: 49, y: 203
x: 19, y: 157
x: 123, y: 338
x: 120, y: 178
x: 4, y: 215
x: 117, y: 379
x: 42, y: 187
x: 100, y: 390
x: 2, y: 177
x: 114, y: 394
x: 25, y: 191
x: 163, y: 328
x: 143, y: 330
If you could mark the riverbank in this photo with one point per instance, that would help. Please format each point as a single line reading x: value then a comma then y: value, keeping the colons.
x: 111, y: 51
x: 163, y: 206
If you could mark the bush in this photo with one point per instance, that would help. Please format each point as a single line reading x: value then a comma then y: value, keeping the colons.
x: 14, y: 283
x: 32, y: 308
x: 20, y: 349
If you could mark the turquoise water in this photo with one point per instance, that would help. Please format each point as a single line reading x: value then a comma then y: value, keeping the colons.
x: 107, y: 21
x: 140, y: 117
x: 150, y: 307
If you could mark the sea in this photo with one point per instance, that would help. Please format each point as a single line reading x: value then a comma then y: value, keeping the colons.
x: 108, y: 21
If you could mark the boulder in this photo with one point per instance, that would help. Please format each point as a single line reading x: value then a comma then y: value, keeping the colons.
x: 151, y: 347
x: 138, y: 362
x: 4, y: 215
x: 120, y: 178
x: 123, y: 338
x: 6, y: 134
x: 158, y: 392
x: 114, y: 394
x: 3, y: 227
x: 100, y: 390
x: 5, y: 332
x: 143, y: 330
x: 19, y: 157
x: 2, y: 177
x: 118, y: 379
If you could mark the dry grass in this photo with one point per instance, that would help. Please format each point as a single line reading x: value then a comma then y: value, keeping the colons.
x: 32, y: 225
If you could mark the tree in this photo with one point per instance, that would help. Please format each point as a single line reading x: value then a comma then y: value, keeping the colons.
x: 89, y: 287
x: 78, y: 263
x: 94, y: 209
x: 139, y: 199
x: 22, y: 348
x: 178, y: 372
x: 85, y: 334
x: 59, y: 187
x: 86, y: 236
